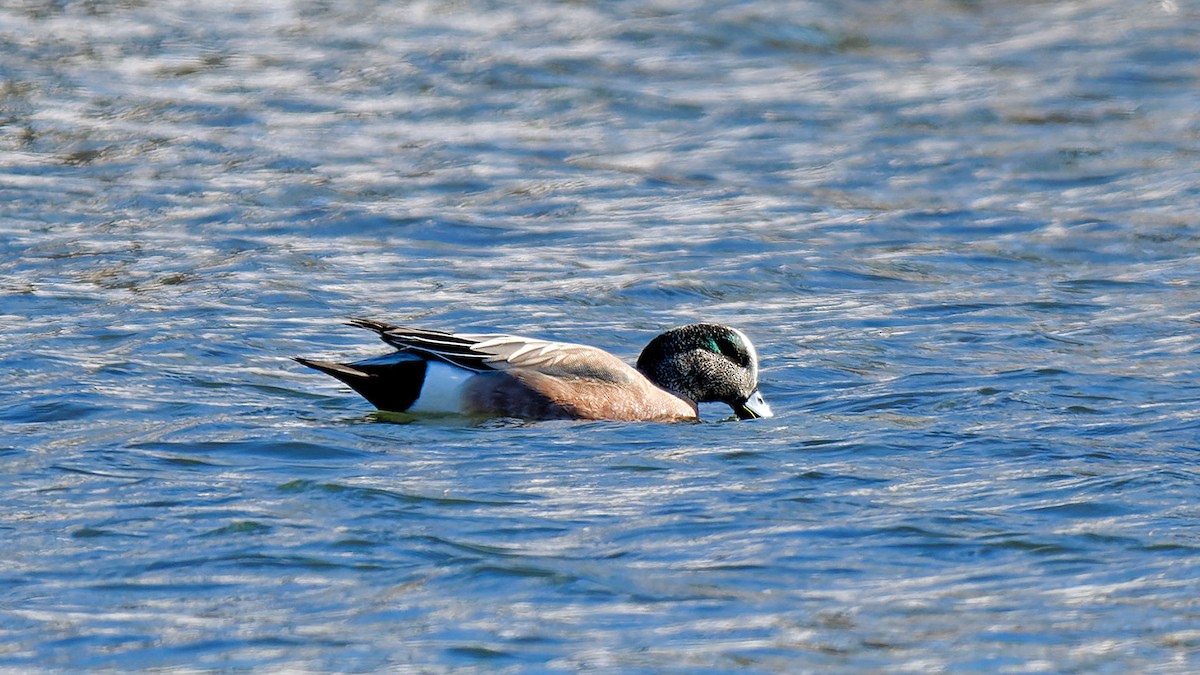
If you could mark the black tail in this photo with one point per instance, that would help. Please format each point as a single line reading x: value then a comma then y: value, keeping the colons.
x: 392, y: 386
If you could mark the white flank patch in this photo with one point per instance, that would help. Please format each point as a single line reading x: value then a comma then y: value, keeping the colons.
x: 443, y: 389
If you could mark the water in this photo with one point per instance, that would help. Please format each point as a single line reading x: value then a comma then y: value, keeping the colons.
x: 963, y: 236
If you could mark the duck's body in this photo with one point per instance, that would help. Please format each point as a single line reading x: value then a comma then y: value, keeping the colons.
x: 512, y: 376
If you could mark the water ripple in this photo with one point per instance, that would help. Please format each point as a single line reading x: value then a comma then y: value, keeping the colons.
x: 961, y: 236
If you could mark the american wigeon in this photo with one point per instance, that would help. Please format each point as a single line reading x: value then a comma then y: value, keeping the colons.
x: 511, y: 376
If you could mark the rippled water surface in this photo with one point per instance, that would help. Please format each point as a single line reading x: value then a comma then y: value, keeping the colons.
x: 962, y: 234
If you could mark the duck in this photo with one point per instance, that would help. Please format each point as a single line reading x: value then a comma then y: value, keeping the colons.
x: 498, y: 375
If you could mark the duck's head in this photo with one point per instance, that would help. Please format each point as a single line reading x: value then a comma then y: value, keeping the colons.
x: 707, y: 362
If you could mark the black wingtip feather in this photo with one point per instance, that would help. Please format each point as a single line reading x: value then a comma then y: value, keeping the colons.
x: 371, y: 324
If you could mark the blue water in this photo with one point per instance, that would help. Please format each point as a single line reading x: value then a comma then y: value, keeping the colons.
x: 962, y: 235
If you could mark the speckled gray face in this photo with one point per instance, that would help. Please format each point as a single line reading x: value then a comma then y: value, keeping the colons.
x: 707, y: 362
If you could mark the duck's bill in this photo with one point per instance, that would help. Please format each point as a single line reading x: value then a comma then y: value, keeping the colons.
x: 754, y: 406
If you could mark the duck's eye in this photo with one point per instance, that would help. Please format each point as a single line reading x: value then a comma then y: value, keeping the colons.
x: 730, y: 350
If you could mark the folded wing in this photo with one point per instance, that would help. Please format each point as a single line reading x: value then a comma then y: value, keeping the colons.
x: 508, y: 353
